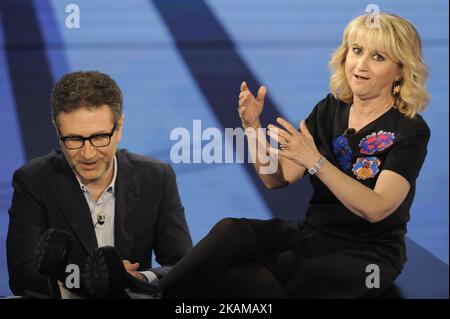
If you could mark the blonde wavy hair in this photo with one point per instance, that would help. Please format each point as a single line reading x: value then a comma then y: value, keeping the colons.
x: 401, y: 42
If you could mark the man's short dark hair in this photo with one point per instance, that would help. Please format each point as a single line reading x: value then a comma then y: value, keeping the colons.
x: 86, y: 89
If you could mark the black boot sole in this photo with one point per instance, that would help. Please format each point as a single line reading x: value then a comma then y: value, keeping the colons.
x: 106, y: 277
x: 104, y: 274
x: 52, y: 253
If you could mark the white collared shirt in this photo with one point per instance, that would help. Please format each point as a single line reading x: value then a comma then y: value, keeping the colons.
x: 105, y: 208
x: 102, y: 209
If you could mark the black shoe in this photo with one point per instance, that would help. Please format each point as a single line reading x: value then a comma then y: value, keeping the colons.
x: 52, y: 253
x: 106, y: 277
x: 51, y: 257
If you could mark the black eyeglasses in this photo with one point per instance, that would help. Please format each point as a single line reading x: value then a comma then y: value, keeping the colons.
x: 96, y: 140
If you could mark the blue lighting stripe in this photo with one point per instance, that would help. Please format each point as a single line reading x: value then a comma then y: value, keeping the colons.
x: 216, y: 66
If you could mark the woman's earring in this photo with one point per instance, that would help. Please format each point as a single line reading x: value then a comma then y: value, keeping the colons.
x: 396, y: 86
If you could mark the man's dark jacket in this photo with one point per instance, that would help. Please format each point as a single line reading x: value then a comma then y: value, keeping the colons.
x: 148, y: 215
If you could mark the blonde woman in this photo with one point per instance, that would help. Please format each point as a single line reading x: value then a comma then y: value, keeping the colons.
x: 363, y: 145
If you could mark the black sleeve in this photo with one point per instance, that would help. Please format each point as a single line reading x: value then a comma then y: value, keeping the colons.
x: 319, y: 121
x: 311, y: 121
x: 173, y: 239
x: 26, y: 224
x: 408, y: 154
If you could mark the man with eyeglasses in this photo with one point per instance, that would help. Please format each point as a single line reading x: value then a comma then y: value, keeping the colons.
x: 102, y: 195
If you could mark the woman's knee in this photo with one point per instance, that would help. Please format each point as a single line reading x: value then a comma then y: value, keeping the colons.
x: 233, y: 229
x: 229, y: 225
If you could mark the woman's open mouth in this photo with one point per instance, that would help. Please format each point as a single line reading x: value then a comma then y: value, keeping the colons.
x: 359, y: 77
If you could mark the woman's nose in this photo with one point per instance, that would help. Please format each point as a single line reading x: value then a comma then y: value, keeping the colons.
x: 362, y: 64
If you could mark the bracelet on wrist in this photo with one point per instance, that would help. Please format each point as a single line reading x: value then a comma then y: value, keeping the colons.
x: 316, y: 167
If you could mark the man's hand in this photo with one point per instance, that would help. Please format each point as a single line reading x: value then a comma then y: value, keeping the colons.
x: 132, y: 270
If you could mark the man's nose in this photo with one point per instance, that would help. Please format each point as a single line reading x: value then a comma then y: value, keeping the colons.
x: 88, y: 151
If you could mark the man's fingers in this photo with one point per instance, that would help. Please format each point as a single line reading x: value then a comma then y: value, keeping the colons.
x: 288, y: 126
x: 132, y: 268
x: 261, y: 94
x: 126, y: 263
x: 129, y: 266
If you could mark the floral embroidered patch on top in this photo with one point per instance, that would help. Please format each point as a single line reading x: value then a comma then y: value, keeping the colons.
x: 376, y: 142
x: 366, y: 167
x: 342, y: 151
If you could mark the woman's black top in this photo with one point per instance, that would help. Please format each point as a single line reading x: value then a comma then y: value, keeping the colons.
x: 393, y: 142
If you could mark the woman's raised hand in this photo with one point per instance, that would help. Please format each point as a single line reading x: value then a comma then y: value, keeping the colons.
x: 250, y: 107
